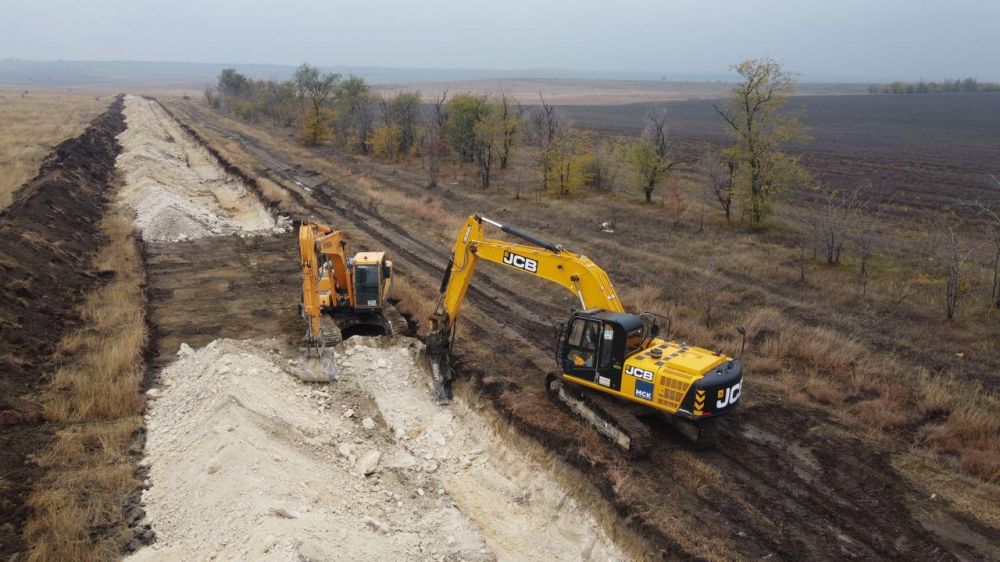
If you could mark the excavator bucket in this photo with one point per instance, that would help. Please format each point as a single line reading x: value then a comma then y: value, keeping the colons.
x: 438, y: 363
x: 442, y: 387
x: 317, y: 364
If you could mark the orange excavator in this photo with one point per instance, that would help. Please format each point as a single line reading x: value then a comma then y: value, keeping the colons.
x: 342, y: 296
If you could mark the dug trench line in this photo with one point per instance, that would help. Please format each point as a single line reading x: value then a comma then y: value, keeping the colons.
x: 430, y: 259
x: 245, y: 461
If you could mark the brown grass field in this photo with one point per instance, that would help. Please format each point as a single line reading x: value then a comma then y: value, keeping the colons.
x: 879, y: 379
x: 94, y: 400
x: 34, y: 121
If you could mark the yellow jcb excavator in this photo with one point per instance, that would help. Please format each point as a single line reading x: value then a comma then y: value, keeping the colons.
x: 341, y: 296
x: 611, y: 366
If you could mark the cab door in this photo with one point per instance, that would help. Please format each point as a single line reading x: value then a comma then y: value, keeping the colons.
x: 588, y: 352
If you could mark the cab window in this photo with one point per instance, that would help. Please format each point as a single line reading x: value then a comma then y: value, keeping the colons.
x: 582, y: 345
x: 367, y: 276
x: 633, y: 341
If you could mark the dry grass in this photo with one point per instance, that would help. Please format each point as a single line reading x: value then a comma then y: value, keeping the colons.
x: 78, y: 507
x: 35, y: 122
x: 415, y: 300
x: 102, y: 377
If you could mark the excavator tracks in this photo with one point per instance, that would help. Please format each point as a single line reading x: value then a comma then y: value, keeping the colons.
x: 611, y: 419
x: 394, y: 321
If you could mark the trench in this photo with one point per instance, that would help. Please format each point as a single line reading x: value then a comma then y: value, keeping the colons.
x: 228, y: 419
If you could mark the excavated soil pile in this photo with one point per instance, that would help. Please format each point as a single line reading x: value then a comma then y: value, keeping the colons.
x: 247, y: 462
x: 176, y: 187
x: 48, y: 236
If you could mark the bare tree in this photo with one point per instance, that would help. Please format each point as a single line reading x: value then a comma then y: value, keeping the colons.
x: 720, y: 171
x: 546, y: 128
x: 709, y: 292
x: 512, y: 117
x: 434, y: 144
x: 995, y: 290
x: 833, y: 221
x: 653, y: 155
x: 954, y: 264
x: 868, y: 231
x: 994, y: 217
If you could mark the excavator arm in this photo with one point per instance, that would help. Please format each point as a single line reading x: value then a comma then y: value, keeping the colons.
x: 321, y: 247
x: 310, y: 279
x: 551, y: 262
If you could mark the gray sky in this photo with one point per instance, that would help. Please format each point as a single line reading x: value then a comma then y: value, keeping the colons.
x: 820, y: 39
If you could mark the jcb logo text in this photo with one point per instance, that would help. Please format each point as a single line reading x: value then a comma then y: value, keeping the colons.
x: 639, y: 373
x: 730, y: 396
x: 520, y: 262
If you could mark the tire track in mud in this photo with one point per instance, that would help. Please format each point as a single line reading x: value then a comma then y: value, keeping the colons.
x: 802, y: 505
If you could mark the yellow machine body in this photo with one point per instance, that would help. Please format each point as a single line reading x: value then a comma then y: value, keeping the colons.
x: 611, y: 351
x: 333, y: 281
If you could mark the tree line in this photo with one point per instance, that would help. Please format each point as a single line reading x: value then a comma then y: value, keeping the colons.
x: 495, y: 134
x: 968, y: 85
x: 489, y: 132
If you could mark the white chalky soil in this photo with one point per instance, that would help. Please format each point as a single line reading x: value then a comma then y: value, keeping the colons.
x: 176, y: 188
x: 247, y: 462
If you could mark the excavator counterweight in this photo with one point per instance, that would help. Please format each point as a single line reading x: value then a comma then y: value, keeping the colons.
x: 611, y: 365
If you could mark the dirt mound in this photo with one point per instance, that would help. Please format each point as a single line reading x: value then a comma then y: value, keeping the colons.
x: 248, y: 463
x: 523, y: 511
x: 176, y: 187
x: 47, y: 238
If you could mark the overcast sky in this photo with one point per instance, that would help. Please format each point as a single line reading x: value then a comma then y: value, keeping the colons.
x: 820, y: 39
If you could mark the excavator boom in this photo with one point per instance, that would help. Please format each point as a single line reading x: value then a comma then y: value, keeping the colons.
x: 548, y: 261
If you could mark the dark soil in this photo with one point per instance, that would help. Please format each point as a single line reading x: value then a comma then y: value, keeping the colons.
x: 223, y: 287
x: 48, y: 236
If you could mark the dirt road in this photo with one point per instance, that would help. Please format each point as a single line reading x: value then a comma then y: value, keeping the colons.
x: 786, y: 482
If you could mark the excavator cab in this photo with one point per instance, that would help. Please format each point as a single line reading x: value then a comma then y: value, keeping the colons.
x: 594, y: 344
x: 372, y: 274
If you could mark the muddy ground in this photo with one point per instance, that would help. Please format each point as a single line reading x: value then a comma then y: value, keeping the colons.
x: 48, y: 236
x: 223, y: 287
x: 786, y: 482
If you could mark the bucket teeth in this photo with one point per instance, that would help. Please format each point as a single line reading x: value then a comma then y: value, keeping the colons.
x: 317, y: 364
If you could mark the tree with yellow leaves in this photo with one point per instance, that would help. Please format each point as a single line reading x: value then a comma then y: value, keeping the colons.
x: 759, y: 127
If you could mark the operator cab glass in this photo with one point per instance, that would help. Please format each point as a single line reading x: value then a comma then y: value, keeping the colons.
x: 366, y: 285
x: 595, y: 344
